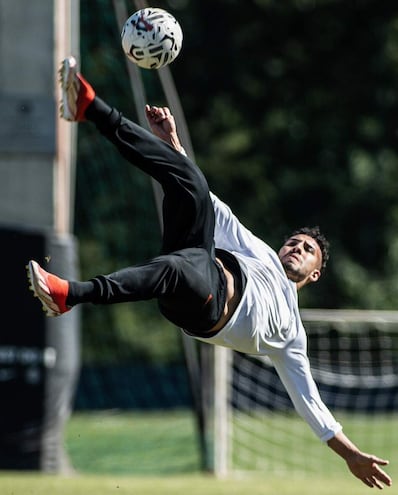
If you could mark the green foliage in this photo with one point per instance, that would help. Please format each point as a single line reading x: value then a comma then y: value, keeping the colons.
x: 307, y: 92
x: 292, y: 111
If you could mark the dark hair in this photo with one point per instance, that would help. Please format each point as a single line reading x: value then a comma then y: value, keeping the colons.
x: 321, y: 240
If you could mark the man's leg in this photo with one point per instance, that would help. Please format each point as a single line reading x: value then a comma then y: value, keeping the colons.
x: 188, y: 223
x: 188, y: 214
x: 189, y: 286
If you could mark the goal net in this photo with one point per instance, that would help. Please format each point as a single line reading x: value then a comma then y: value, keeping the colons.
x: 354, y: 360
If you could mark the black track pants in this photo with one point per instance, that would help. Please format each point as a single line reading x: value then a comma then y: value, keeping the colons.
x: 186, y: 279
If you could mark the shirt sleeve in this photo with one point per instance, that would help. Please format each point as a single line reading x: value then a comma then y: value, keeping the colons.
x: 292, y: 366
x: 229, y: 233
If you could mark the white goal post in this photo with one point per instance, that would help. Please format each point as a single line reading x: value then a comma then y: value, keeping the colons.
x: 354, y: 360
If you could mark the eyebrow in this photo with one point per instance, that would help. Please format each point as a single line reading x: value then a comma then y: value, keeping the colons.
x: 308, y: 243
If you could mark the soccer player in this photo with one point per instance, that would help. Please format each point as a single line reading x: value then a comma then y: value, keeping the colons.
x: 213, y: 278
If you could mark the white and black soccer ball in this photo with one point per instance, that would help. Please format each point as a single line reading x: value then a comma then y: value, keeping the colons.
x: 151, y: 38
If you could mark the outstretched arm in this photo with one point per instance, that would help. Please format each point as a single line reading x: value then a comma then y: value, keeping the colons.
x: 293, y: 368
x: 162, y: 124
x: 366, y: 467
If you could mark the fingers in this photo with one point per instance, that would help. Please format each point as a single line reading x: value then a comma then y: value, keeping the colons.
x: 157, y: 113
x: 378, y: 478
x: 367, y: 468
x: 367, y: 482
x: 374, y: 482
x: 379, y: 475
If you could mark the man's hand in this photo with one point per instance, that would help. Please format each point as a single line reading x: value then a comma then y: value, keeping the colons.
x: 163, y: 125
x: 366, y: 467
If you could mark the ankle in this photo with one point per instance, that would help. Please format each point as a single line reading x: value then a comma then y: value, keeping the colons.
x: 85, y: 98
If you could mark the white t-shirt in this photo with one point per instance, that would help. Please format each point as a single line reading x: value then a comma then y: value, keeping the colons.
x: 267, y: 320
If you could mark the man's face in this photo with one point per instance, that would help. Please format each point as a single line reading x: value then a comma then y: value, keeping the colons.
x: 301, y: 258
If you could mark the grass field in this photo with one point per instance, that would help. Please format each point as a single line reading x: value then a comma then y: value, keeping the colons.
x: 177, y: 485
x: 151, y: 443
x: 156, y: 453
x: 283, y: 443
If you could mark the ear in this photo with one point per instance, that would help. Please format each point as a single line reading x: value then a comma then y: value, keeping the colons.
x: 314, y: 276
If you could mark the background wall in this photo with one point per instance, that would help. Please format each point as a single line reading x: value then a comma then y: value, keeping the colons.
x: 39, y: 357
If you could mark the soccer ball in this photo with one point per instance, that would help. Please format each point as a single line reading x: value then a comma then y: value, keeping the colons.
x: 151, y: 38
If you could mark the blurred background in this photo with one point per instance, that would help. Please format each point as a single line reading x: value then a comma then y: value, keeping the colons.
x: 292, y: 112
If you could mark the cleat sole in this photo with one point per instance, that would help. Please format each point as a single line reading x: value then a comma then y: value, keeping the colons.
x: 37, y: 286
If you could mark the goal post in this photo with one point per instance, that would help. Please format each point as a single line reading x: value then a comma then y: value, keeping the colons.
x: 195, y: 352
x: 222, y: 423
x: 354, y: 360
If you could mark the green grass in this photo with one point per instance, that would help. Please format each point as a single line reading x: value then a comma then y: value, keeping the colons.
x: 143, y: 443
x: 29, y: 484
x: 156, y: 453
x: 165, y: 443
x: 277, y: 443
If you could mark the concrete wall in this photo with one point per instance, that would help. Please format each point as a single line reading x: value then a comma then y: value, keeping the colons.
x: 36, y: 149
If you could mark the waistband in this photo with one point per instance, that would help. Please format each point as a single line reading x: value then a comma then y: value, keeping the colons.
x: 233, y: 266
x: 240, y: 280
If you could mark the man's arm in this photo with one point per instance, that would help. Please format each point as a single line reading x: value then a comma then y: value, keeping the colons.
x: 363, y: 466
x: 293, y: 368
x: 163, y: 125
